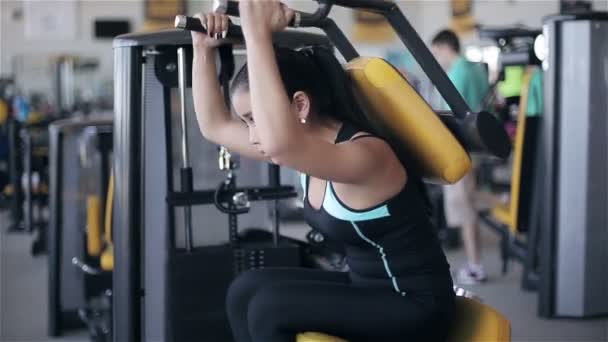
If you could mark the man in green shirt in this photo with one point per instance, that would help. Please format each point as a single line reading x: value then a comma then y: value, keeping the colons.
x: 469, y: 78
x: 471, y: 81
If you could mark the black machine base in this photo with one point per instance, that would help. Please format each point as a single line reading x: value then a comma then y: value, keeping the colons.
x: 200, y: 281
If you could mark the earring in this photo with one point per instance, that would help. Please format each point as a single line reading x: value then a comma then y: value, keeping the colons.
x: 303, y: 121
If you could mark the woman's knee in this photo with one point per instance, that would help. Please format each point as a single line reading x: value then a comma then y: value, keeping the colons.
x: 267, y: 311
x: 242, y: 287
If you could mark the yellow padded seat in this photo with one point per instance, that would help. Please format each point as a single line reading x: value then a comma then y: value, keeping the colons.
x: 473, y: 322
x: 398, y: 111
x: 317, y: 337
x: 477, y: 322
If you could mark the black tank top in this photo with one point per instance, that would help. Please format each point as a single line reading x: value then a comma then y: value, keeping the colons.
x: 391, y: 244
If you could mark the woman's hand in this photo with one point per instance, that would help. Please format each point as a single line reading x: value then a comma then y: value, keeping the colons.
x: 262, y: 17
x: 216, y: 26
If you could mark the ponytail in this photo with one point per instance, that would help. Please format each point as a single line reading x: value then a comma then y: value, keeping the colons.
x: 338, y: 99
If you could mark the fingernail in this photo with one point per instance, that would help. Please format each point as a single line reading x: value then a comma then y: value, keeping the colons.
x: 217, y: 36
x: 224, y: 34
x: 205, y: 26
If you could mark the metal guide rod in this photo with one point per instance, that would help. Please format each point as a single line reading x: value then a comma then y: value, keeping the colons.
x: 181, y: 69
x: 186, y: 170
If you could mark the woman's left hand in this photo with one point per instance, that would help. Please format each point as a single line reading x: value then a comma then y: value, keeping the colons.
x: 264, y: 16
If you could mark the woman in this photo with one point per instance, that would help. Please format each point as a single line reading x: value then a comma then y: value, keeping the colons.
x: 297, y: 110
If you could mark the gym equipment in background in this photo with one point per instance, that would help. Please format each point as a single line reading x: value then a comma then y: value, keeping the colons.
x: 512, y: 221
x: 573, y: 173
x: 519, y: 235
x: 80, y: 163
x: 516, y: 46
x: 27, y: 191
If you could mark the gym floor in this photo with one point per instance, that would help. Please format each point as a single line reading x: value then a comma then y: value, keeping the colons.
x: 23, y: 291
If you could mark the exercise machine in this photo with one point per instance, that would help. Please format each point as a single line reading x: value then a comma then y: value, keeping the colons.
x: 512, y: 220
x: 170, y: 280
x: 573, y: 172
x: 80, y: 158
x: 178, y: 206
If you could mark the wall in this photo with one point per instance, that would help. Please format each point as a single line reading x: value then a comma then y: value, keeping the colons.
x: 30, y: 58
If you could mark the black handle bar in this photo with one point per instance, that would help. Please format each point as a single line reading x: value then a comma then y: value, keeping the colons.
x: 194, y: 24
x: 301, y: 19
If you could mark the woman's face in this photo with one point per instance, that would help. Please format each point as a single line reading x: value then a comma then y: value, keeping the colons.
x: 241, y: 101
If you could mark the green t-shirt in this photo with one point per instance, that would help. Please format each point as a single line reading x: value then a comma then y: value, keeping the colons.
x: 471, y: 81
x: 535, y: 94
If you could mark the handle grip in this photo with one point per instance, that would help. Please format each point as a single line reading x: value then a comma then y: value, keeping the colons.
x: 300, y: 19
x: 194, y: 24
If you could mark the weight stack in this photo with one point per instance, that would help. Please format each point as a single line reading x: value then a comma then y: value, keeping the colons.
x: 200, y: 281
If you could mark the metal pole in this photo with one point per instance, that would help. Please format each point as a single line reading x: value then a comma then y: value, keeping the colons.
x: 186, y: 171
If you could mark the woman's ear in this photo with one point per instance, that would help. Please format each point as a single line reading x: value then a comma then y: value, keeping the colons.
x: 302, y: 104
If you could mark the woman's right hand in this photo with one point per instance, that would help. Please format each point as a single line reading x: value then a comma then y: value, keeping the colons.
x: 216, y: 26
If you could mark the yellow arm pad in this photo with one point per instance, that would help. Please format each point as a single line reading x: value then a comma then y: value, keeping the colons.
x: 94, y: 242
x: 395, y: 107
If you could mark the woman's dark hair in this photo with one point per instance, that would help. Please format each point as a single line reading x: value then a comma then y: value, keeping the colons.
x: 317, y: 72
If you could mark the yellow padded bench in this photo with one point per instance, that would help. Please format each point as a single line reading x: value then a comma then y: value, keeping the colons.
x: 473, y: 322
x: 399, y: 112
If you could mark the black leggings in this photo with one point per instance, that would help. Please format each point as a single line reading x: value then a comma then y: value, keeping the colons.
x: 273, y: 305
